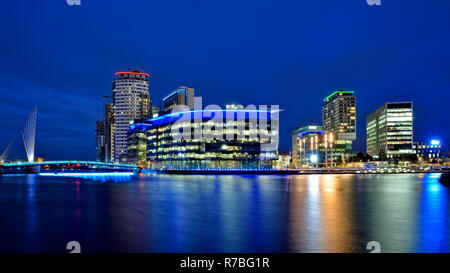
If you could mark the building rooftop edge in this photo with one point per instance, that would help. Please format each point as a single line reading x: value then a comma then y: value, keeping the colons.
x: 175, y: 91
x: 339, y: 91
x: 133, y: 73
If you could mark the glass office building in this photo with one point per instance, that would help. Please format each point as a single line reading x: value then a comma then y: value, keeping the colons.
x: 313, y: 147
x: 390, y: 130
x: 307, y: 146
x: 137, y: 144
x: 202, y: 139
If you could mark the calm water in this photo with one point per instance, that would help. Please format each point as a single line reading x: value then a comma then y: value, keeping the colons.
x: 160, y: 213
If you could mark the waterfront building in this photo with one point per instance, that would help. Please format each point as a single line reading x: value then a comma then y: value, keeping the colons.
x: 132, y: 101
x: 312, y: 147
x: 339, y: 119
x: 390, y: 131
x: 428, y: 152
x: 305, y: 145
x: 137, y: 144
x: 105, y: 135
x: 283, y: 161
x: 181, y: 96
x: 100, y: 141
x: 227, y: 147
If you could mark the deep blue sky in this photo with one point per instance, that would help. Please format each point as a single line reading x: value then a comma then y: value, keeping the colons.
x: 291, y: 53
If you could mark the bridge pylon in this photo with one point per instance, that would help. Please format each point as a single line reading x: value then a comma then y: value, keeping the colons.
x: 29, y: 134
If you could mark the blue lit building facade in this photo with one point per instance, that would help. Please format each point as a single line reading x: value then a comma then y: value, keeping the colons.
x: 238, y: 139
x: 428, y: 152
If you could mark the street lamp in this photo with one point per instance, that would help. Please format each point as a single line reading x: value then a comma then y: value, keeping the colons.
x: 331, y: 148
x: 326, y: 149
x: 304, y: 151
x: 316, y: 138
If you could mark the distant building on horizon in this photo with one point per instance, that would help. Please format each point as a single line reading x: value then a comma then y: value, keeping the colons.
x: 339, y: 118
x: 105, y: 135
x: 109, y: 131
x: 428, y: 151
x: 181, y: 96
x: 100, y: 141
x: 390, y: 130
x: 132, y: 101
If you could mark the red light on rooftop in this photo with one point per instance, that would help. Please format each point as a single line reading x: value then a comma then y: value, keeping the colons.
x: 132, y: 73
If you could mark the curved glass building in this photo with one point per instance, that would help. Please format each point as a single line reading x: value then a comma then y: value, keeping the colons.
x: 204, y: 139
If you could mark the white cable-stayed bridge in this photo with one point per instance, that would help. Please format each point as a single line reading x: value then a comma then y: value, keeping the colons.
x: 32, y: 166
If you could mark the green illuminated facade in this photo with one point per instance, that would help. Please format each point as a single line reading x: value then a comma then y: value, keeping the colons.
x: 339, y: 118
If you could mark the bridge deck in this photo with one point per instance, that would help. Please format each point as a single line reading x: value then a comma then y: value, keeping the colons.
x: 59, y: 167
x: 20, y: 164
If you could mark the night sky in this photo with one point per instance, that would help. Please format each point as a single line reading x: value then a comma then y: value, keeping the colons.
x: 292, y: 53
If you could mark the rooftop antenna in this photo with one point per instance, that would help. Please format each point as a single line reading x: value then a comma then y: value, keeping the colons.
x: 137, y: 70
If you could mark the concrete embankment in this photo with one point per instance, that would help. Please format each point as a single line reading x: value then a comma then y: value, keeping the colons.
x: 297, y: 172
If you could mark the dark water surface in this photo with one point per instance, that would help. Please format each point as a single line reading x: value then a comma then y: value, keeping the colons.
x: 161, y: 213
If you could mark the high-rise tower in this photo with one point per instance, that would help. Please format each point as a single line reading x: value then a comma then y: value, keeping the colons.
x: 109, y: 131
x: 100, y: 142
x: 132, y: 101
x: 339, y: 118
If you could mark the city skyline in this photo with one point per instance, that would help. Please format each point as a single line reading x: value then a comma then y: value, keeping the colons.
x: 220, y: 68
x: 224, y: 135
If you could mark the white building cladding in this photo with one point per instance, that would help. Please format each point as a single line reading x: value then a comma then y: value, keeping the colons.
x: 132, y: 101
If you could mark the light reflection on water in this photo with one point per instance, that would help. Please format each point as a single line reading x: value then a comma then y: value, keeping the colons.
x: 162, y: 213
